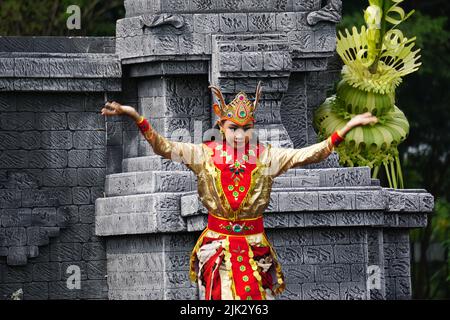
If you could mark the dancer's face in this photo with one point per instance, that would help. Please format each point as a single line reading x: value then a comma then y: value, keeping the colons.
x: 235, y: 134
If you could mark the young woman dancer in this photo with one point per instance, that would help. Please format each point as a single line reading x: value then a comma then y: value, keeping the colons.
x: 233, y: 259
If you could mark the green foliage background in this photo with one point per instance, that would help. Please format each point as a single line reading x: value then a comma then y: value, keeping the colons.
x: 48, y: 17
x: 424, y: 97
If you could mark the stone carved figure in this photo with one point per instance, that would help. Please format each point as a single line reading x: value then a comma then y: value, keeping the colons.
x: 330, y: 12
x: 233, y: 258
x: 174, y: 20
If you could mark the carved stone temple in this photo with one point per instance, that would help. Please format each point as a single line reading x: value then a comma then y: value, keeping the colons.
x: 84, y: 196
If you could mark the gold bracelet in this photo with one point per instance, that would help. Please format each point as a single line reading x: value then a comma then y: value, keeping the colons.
x: 141, y: 118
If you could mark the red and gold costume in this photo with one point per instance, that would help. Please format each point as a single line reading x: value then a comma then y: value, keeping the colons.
x: 233, y: 259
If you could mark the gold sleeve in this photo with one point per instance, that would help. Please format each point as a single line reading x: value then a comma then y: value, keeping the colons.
x: 190, y: 154
x: 282, y: 159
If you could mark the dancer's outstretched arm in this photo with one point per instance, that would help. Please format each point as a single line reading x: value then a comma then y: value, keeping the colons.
x: 188, y: 153
x: 283, y: 159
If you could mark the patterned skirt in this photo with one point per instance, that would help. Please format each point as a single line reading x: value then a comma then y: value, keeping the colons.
x: 235, y: 260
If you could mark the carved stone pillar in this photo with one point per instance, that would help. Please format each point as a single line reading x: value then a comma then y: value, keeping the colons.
x: 238, y: 62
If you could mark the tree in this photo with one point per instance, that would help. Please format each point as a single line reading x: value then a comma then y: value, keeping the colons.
x: 48, y: 17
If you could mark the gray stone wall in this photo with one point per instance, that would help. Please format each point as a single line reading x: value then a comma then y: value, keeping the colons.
x: 53, y: 163
x: 53, y: 166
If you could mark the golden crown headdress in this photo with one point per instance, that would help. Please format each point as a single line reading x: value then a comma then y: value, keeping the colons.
x: 241, y: 110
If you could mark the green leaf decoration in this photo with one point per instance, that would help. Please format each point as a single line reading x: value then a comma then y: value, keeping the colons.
x: 375, y: 61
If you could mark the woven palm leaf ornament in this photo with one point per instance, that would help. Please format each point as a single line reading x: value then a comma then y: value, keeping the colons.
x: 375, y: 60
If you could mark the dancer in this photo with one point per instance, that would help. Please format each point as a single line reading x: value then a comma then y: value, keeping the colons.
x: 233, y: 259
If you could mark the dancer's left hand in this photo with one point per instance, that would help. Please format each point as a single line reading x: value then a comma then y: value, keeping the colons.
x: 359, y: 120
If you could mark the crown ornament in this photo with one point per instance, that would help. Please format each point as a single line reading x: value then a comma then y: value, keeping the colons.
x: 241, y: 110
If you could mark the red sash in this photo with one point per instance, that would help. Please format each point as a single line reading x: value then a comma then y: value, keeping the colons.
x: 235, y: 228
x: 246, y: 278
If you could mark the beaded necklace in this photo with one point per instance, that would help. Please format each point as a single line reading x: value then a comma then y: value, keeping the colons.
x: 237, y: 169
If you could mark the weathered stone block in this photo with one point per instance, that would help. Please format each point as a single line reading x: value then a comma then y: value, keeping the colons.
x: 89, y: 139
x: 81, y: 195
x: 352, y: 291
x: 336, y: 200
x: 86, y: 121
x: 17, y: 256
x: 96, y: 270
x: 60, y: 177
x: 318, y: 254
x: 87, y: 214
x: 290, y: 201
x: 37, y: 236
x: 332, y: 273
x: 15, y: 159
x: 333, y: 236
x: 233, y: 22
x: 260, y: 22
x: 286, y: 21
x: 15, y: 236
x: 36, y: 291
x: 51, y: 121
x: 94, y: 251
x: 290, y: 255
x: 18, y: 274
x: 320, y: 291
x: 48, y: 159
x: 9, y: 140
x: 46, y: 271
x: 91, y: 177
x: 76, y: 233
x: 65, y: 251
x: 15, y: 217
x: 10, y: 198
x: 206, y: 23
x: 349, y: 253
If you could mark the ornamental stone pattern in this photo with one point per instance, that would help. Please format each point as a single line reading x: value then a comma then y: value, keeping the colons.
x: 77, y: 189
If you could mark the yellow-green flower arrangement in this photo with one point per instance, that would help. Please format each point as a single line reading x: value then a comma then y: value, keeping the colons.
x: 375, y: 60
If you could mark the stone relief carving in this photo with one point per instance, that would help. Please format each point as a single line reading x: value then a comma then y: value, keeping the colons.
x: 154, y: 21
x: 330, y: 12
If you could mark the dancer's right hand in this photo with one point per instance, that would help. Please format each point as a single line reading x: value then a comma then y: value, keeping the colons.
x: 114, y: 109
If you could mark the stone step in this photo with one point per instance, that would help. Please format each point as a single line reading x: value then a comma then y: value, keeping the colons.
x: 139, y: 214
x: 331, y: 199
x: 166, y: 212
x: 148, y: 163
x: 331, y: 177
x: 146, y: 182
x: 300, y: 199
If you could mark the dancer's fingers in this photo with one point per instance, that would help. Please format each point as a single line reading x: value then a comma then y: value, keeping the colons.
x: 108, y: 112
x: 108, y: 105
